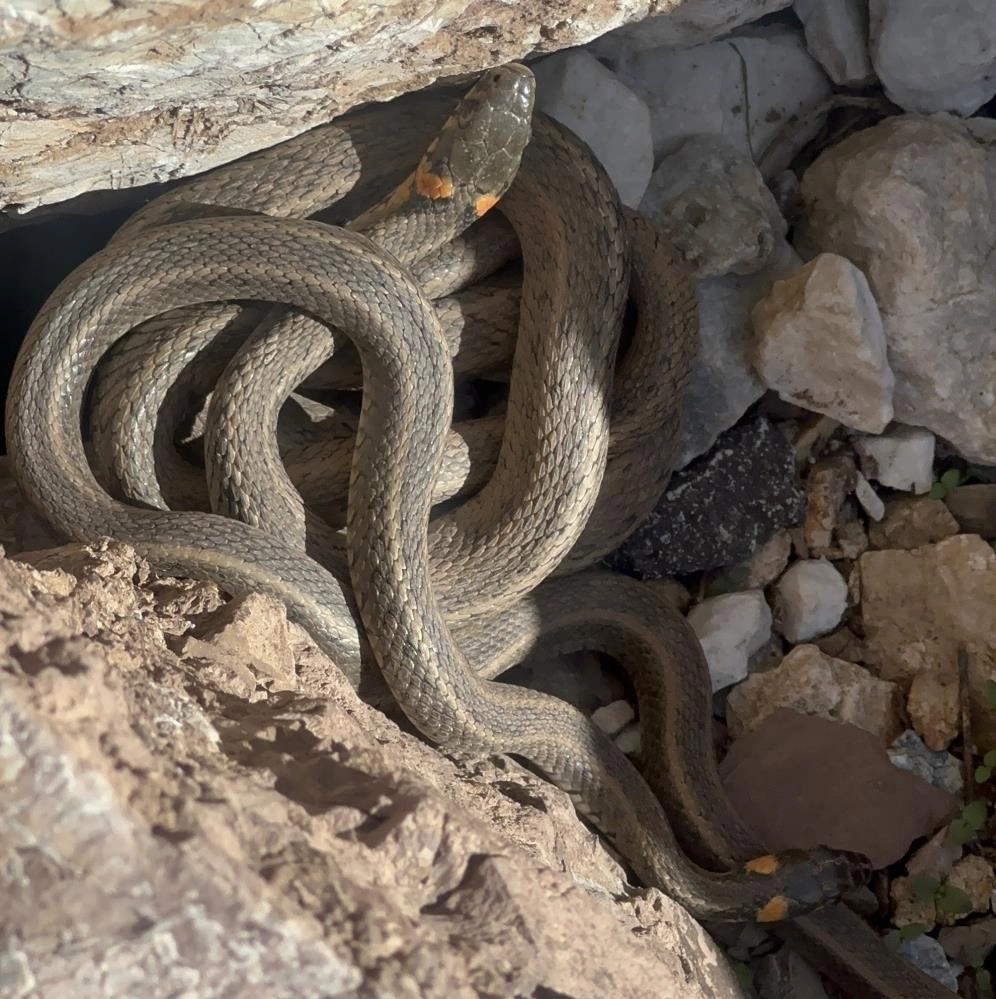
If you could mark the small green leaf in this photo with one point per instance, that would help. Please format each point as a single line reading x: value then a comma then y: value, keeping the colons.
x: 951, y: 478
x: 984, y: 980
x: 911, y: 931
x: 952, y: 899
x: 982, y: 774
x: 974, y: 814
x: 924, y: 885
x: 990, y: 759
x: 960, y: 832
x: 991, y: 693
x: 937, y: 491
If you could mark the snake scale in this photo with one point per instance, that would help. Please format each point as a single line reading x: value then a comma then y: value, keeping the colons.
x: 446, y: 603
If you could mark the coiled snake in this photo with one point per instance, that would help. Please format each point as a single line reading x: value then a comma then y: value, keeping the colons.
x: 444, y: 602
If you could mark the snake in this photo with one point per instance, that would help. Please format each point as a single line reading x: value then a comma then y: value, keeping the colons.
x: 430, y: 656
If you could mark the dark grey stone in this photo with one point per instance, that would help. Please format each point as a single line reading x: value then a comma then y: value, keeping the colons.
x: 720, y: 508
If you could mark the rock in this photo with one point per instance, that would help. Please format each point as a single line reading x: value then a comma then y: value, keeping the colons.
x: 910, y: 906
x: 934, y: 55
x: 910, y: 202
x: 835, y: 785
x: 810, y: 600
x: 936, y: 857
x: 870, y: 501
x: 628, y: 740
x: 723, y: 384
x: 941, y: 769
x: 287, y: 846
x: 250, y: 631
x: 974, y: 876
x: 970, y: 944
x: 812, y: 683
x: 918, y: 608
x: 828, y: 485
x: 577, y: 90
x: 692, y: 23
x: 731, y: 628
x: 837, y: 36
x: 901, y: 459
x: 757, y: 571
x: 820, y: 344
x: 712, y: 203
x: 108, y: 95
x: 743, y: 89
x: 719, y: 509
x: 974, y: 508
x: 910, y: 523
x: 613, y: 718
x: 928, y: 955
x: 786, y: 975
x: 841, y: 644
x: 852, y: 540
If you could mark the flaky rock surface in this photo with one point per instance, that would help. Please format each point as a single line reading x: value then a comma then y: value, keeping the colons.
x: 179, y: 815
x: 110, y: 95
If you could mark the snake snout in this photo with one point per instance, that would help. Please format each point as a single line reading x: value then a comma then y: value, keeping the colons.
x: 821, y: 875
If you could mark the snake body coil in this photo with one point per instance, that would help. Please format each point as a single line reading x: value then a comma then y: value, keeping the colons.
x: 421, y: 588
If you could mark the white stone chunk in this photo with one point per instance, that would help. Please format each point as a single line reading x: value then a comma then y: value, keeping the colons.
x: 810, y: 600
x: 935, y: 55
x: 901, y: 459
x: 837, y: 36
x: 820, y: 344
x: 731, y: 629
x: 577, y: 90
x: 744, y: 89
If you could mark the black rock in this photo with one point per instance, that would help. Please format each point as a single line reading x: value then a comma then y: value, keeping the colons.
x: 720, y: 508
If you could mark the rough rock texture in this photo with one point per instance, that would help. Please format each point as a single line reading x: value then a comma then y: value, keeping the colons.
x: 820, y: 344
x: 911, y: 203
x: 816, y: 684
x: 919, y: 609
x: 220, y: 829
x: 107, y: 95
x: 713, y: 204
x: 910, y: 523
x: 836, y: 786
x: 731, y: 628
x: 837, y: 36
x: 719, y: 509
x: 934, y: 55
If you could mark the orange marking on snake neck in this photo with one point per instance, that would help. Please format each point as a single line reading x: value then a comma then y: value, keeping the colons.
x: 431, y: 185
x: 774, y: 910
x: 767, y: 864
x: 484, y: 204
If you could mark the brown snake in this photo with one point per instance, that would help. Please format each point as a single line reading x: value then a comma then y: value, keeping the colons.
x: 347, y: 283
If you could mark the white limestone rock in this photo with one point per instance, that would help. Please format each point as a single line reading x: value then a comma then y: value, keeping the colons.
x: 731, y: 628
x: 935, y: 55
x: 912, y: 203
x: 837, y: 36
x: 810, y: 600
x: 901, y: 459
x: 744, y: 89
x: 820, y: 344
x: 577, y: 90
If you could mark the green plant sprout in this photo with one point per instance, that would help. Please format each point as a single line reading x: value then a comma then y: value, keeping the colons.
x: 947, y: 481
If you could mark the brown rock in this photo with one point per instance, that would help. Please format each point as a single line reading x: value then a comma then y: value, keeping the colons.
x: 918, y: 608
x: 800, y: 781
x: 333, y: 852
x: 912, y: 522
x: 910, y: 906
x: 974, y: 876
x: 974, y: 508
x: 969, y: 944
x: 250, y: 631
x: 828, y: 485
x: 815, y: 684
x: 841, y: 644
